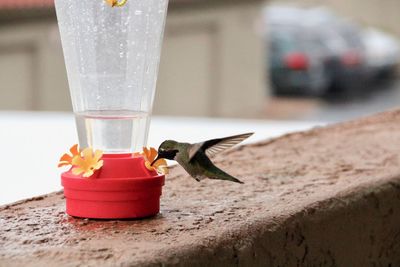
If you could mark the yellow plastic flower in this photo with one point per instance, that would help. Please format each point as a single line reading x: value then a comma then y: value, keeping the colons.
x: 149, y: 156
x: 66, y: 159
x: 88, y: 163
x: 114, y: 3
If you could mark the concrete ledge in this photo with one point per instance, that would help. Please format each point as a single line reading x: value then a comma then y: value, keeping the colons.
x: 326, y: 197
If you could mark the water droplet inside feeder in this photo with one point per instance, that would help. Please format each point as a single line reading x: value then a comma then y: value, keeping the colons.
x: 111, y: 59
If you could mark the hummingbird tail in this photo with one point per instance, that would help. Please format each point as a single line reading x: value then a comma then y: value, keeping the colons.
x: 233, y: 179
x: 221, y: 175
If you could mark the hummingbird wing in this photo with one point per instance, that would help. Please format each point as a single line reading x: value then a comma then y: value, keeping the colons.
x: 214, y: 146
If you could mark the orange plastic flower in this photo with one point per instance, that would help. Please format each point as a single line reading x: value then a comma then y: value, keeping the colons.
x: 66, y: 159
x: 114, y: 3
x: 149, y: 156
x: 88, y: 163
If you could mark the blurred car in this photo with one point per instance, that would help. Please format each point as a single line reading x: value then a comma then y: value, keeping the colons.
x: 296, y: 59
x: 344, y: 47
x: 382, y: 53
x: 296, y: 62
x: 328, y: 52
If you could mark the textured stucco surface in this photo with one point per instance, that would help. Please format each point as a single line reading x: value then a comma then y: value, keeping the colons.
x: 326, y: 197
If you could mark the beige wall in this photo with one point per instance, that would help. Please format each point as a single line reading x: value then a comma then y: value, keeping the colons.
x: 384, y: 14
x: 32, y: 68
x: 212, y: 64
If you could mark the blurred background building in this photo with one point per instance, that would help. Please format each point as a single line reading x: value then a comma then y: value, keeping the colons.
x: 230, y: 58
x: 382, y: 14
x: 212, y: 59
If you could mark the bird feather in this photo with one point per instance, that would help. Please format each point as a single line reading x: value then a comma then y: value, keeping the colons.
x: 214, y: 146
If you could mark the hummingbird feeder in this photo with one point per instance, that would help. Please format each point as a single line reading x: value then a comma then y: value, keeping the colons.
x: 112, y: 52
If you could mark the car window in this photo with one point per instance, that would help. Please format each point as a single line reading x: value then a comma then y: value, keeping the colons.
x: 283, y: 41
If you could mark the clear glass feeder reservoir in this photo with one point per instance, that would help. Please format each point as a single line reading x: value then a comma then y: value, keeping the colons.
x: 112, y: 56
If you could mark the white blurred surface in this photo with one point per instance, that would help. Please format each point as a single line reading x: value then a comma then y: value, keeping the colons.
x: 31, y: 144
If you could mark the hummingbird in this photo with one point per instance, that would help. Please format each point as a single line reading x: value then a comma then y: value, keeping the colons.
x: 195, y: 158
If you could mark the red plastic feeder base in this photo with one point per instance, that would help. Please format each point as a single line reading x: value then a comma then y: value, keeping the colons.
x: 123, y: 188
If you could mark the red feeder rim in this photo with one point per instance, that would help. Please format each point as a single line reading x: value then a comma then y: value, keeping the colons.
x: 122, y: 188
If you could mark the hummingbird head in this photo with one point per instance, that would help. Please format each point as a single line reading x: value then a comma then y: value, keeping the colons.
x: 167, y: 150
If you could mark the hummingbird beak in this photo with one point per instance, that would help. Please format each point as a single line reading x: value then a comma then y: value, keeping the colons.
x: 154, y: 161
